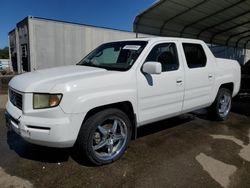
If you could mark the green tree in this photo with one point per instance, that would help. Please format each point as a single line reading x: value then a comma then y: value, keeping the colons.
x: 4, y: 53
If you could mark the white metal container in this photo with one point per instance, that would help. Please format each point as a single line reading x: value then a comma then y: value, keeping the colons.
x: 39, y: 43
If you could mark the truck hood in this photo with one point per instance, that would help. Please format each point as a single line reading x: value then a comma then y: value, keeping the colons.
x: 45, y: 80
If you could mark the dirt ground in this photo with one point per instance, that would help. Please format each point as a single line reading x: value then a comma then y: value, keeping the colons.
x: 185, y: 151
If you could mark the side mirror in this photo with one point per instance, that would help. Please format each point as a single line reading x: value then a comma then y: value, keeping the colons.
x: 152, y: 67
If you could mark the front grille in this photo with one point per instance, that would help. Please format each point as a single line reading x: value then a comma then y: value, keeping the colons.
x: 16, y: 99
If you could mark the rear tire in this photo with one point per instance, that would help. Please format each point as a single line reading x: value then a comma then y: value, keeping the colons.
x: 104, y: 136
x: 221, y: 106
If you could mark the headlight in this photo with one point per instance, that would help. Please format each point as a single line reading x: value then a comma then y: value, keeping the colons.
x: 46, y: 100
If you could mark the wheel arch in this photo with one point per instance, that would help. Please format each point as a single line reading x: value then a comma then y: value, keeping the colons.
x: 125, y: 106
x: 229, y: 86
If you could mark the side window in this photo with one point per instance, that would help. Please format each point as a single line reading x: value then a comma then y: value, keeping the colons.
x: 166, y: 54
x: 195, y: 55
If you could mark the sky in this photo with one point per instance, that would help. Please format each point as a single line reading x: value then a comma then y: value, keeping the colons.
x: 116, y: 14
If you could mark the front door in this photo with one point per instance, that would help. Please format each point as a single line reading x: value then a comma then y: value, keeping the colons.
x: 161, y: 95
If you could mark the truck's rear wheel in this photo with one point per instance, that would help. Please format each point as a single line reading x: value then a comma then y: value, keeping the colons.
x: 220, y: 108
x: 104, y: 136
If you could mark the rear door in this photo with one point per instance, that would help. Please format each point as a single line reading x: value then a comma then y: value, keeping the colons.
x: 161, y: 95
x: 199, y: 76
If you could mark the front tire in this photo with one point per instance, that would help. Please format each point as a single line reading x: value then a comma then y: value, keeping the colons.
x: 220, y: 108
x: 104, y: 136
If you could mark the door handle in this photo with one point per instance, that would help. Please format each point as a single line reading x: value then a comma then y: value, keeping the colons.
x: 210, y: 76
x: 179, y: 81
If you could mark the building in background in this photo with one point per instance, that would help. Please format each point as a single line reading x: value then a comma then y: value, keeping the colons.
x: 38, y: 43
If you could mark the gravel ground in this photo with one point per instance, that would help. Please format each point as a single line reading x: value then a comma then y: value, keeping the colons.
x: 3, y: 99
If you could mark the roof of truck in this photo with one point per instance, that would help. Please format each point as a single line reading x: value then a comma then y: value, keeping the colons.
x: 158, y: 39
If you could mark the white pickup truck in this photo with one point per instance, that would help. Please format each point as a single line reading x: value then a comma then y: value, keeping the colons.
x: 97, y: 105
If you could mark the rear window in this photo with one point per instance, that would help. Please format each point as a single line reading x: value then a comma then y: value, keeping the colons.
x: 195, y: 55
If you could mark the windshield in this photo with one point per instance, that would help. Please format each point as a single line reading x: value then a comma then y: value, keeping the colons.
x: 114, y: 56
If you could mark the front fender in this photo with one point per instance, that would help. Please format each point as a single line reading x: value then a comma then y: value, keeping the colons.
x: 83, y: 103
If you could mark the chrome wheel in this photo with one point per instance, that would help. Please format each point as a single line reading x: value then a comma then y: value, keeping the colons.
x: 110, y: 138
x: 224, y: 104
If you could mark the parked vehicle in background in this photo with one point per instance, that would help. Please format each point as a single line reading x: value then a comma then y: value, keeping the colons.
x: 98, y: 104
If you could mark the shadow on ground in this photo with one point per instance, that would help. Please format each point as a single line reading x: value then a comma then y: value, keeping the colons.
x: 241, y: 106
x: 163, y: 125
x: 55, y: 155
x: 35, y: 152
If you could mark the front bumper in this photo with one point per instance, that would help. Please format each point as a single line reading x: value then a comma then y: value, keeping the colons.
x: 10, y: 121
x: 59, y: 131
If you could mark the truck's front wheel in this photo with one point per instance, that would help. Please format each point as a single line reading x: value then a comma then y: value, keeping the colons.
x: 220, y: 109
x: 104, y: 136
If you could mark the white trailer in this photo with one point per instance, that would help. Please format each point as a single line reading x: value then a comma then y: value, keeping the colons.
x: 38, y: 43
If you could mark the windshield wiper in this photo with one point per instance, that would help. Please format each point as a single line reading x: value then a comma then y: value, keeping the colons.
x: 89, y: 64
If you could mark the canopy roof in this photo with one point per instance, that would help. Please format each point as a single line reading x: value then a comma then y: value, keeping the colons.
x: 223, y: 22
